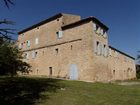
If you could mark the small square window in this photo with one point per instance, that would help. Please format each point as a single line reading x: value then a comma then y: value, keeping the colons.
x: 57, y: 19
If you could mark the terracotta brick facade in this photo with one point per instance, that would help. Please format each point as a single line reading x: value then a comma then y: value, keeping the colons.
x: 66, y: 46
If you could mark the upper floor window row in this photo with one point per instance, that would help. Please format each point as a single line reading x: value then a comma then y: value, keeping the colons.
x: 100, y: 48
x: 28, y: 43
x: 99, y: 30
x: 20, y: 46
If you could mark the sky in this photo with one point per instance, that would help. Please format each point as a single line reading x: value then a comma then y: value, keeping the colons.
x: 121, y: 16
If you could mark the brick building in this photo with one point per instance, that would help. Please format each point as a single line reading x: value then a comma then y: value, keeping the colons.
x: 69, y: 47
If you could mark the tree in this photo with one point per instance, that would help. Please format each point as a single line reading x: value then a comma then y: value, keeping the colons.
x: 138, y: 65
x: 4, y: 32
x: 10, y: 57
x: 8, y: 2
x: 138, y: 71
x: 138, y: 57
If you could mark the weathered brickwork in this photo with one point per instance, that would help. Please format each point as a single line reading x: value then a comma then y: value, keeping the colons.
x: 66, y: 46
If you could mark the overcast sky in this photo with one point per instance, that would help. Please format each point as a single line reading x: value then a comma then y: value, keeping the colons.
x: 121, y: 16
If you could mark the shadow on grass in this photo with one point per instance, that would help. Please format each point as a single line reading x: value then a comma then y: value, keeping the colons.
x: 26, y: 91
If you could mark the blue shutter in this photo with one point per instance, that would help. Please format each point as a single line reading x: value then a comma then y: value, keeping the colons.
x: 60, y: 34
x: 28, y: 43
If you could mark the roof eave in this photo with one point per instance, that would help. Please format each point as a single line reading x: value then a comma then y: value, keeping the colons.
x: 122, y: 52
x: 41, y: 23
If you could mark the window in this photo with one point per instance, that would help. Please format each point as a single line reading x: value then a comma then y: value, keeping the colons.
x: 98, y: 30
x: 71, y: 47
x: 26, y: 56
x: 105, y: 34
x: 95, y: 46
x: 102, y: 48
x: 34, y: 54
x: 57, y: 19
x: 105, y: 51
x: 50, y: 71
x: 56, y: 51
x: 28, y: 43
x: 59, y: 34
x: 110, y: 53
x: 98, y: 48
x: 113, y: 72
x: 20, y: 46
x: 94, y: 27
x: 36, y: 40
x: 101, y: 31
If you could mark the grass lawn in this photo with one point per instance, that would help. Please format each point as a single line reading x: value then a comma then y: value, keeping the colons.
x: 43, y: 91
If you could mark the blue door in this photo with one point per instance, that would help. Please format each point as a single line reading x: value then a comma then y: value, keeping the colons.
x: 73, y: 72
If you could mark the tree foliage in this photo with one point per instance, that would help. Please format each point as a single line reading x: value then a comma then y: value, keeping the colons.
x: 11, y: 59
x: 8, y: 2
x: 138, y: 65
x: 138, y: 57
x: 6, y: 32
x: 138, y: 71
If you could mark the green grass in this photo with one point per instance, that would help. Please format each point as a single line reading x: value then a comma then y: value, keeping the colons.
x: 43, y: 91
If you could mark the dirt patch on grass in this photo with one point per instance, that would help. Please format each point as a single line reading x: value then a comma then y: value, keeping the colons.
x: 129, y: 83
